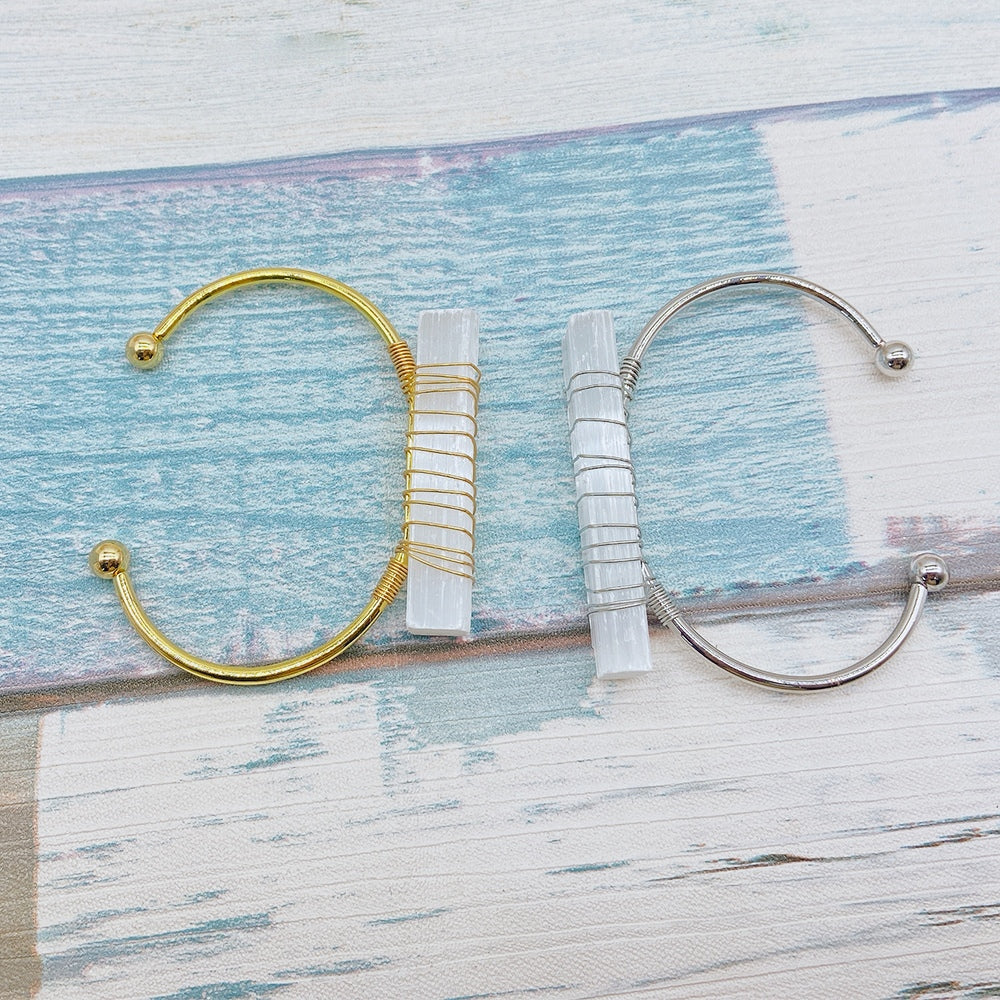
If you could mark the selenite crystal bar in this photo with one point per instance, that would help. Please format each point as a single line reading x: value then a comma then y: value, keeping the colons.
x: 442, y: 463
x: 609, y: 527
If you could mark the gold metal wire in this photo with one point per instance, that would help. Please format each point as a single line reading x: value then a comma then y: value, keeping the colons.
x: 110, y: 559
x: 456, y: 556
x: 406, y: 368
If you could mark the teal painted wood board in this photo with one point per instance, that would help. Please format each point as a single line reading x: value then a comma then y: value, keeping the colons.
x: 256, y: 476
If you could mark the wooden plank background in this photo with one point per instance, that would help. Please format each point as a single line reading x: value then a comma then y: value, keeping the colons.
x: 455, y: 819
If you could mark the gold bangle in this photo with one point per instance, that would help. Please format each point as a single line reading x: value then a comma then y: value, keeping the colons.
x: 110, y: 559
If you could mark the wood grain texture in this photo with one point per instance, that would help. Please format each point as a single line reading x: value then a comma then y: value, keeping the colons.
x: 260, y: 418
x: 482, y: 819
x: 102, y: 87
x: 444, y: 830
x: 925, y: 222
x: 19, y: 962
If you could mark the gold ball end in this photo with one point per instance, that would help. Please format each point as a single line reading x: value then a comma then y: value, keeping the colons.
x: 144, y: 351
x: 108, y: 559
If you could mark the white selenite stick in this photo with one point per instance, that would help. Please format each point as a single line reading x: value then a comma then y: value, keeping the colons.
x: 442, y: 461
x: 609, y: 526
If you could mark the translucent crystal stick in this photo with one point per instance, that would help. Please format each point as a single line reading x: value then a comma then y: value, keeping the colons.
x: 440, y: 497
x: 605, y: 497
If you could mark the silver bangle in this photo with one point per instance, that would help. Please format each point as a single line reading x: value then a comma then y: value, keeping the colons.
x: 928, y: 572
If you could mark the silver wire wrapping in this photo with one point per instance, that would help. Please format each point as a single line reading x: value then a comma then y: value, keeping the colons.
x: 629, y: 376
x: 455, y: 517
x: 624, y: 544
x: 659, y: 601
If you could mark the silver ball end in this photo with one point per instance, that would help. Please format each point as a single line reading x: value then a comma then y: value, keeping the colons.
x: 894, y: 358
x: 929, y: 569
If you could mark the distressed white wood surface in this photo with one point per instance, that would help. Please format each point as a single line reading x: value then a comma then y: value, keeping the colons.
x: 497, y: 824
x: 923, y: 226
x: 99, y: 86
x: 679, y: 834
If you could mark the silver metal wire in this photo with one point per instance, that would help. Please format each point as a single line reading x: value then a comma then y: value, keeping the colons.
x: 633, y: 360
x: 928, y: 572
x: 625, y: 544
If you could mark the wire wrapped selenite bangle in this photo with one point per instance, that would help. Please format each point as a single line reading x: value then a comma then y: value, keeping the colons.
x: 619, y: 558
x: 110, y: 559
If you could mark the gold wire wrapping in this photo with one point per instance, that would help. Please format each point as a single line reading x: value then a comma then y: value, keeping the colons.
x: 393, y: 578
x: 402, y: 360
x: 441, y: 490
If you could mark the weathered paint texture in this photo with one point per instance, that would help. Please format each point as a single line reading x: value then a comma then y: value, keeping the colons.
x: 19, y: 962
